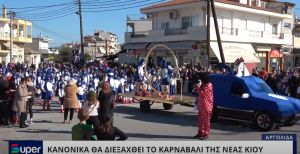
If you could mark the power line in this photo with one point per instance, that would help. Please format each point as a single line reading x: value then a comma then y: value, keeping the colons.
x: 70, y: 9
x: 124, y: 8
x: 59, y: 35
x: 116, y: 4
x: 43, y: 6
x: 48, y: 18
x: 44, y: 13
x: 58, y: 13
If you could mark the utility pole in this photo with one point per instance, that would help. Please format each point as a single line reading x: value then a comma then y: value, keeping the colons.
x: 95, y: 53
x: 217, y: 31
x: 106, y: 47
x: 11, y: 17
x: 208, y: 33
x: 81, y: 30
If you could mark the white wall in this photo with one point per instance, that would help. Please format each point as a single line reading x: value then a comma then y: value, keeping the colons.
x: 226, y: 19
x: 163, y: 17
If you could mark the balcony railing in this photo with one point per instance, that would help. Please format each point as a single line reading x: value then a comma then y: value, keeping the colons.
x: 139, y: 34
x: 229, y: 31
x: 4, y: 35
x: 254, y: 33
x: 175, y: 31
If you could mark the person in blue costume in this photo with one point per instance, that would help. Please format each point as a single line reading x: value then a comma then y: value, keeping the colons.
x: 172, y: 85
x: 80, y: 93
x: 47, y: 93
x: 140, y: 77
x: 165, y: 79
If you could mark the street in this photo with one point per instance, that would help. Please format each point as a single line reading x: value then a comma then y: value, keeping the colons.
x: 178, y: 124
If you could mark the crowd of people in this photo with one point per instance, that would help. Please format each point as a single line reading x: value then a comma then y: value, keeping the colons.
x: 93, y: 90
x: 281, y: 82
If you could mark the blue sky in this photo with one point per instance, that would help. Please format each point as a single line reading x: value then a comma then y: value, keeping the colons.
x: 68, y: 27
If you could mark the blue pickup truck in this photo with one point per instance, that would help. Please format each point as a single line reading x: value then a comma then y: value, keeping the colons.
x: 250, y: 99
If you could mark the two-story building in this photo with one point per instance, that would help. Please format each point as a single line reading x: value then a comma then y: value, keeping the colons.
x: 21, y: 35
x: 41, y: 44
x: 256, y: 30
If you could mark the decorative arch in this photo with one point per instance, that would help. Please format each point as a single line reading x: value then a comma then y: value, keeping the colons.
x: 170, y: 51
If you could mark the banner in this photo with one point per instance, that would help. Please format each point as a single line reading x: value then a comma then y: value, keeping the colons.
x: 151, y: 147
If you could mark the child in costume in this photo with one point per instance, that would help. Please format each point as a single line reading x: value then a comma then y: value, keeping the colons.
x: 61, y: 95
x: 172, y: 85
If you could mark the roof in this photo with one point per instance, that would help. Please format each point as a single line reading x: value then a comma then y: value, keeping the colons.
x: 232, y: 2
x: 30, y: 51
x: 170, y: 3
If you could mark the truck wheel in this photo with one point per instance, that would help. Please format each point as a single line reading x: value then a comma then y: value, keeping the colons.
x: 167, y: 106
x: 264, y: 122
x: 145, y: 106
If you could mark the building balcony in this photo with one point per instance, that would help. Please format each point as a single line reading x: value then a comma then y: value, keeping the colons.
x: 5, y: 36
x: 199, y: 34
x: 297, y: 41
x: 168, y: 35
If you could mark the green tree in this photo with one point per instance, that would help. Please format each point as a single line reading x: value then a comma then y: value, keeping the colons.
x: 87, y: 57
x: 65, y: 54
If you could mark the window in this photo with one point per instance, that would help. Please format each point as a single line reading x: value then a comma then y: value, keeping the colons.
x: 21, y: 30
x: 186, y: 22
x: 28, y: 31
x: 195, y: 20
x: 237, y: 89
x: 165, y: 25
x: 287, y: 25
x: 190, y: 21
x: 274, y: 29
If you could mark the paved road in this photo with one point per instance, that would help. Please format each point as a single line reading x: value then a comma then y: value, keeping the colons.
x: 177, y: 124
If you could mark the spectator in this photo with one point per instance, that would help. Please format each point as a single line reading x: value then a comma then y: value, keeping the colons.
x: 106, y: 105
x: 293, y: 84
x: 4, y: 84
x: 30, y: 101
x: 13, y: 118
x: 106, y: 131
x: 92, y: 106
x: 79, y: 131
x: 272, y: 81
x: 70, y: 100
x: 20, y: 101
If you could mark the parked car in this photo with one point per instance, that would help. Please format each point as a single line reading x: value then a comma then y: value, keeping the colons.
x: 250, y: 99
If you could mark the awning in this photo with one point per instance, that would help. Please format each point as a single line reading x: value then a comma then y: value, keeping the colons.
x: 176, y: 45
x: 274, y: 53
x: 136, y: 46
x: 233, y: 51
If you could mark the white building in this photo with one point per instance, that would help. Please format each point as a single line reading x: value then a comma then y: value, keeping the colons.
x: 41, y: 44
x: 32, y: 56
x: 296, y: 51
x: 256, y: 30
x: 101, y: 43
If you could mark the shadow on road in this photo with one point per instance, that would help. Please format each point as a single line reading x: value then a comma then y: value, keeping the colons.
x: 44, y: 131
x: 147, y: 136
x: 159, y: 116
x: 181, y: 119
x: 47, y: 121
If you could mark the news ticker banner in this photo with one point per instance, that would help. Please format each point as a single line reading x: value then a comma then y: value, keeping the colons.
x: 271, y: 144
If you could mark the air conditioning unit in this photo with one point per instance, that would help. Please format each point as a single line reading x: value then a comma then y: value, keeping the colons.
x: 173, y: 14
